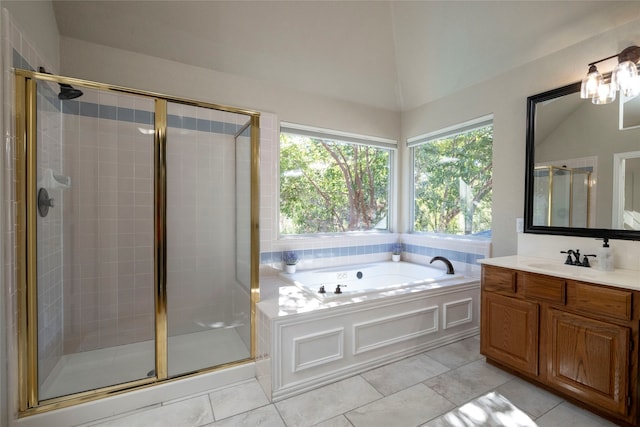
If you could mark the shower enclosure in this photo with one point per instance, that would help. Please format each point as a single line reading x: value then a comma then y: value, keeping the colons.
x: 137, y: 238
x: 561, y: 196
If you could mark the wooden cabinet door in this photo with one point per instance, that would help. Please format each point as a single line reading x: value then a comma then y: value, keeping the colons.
x: 509, y: 331
x: 589, y: 359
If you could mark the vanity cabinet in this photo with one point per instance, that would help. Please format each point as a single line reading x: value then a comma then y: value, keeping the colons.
x: 589, y: 359
x: 573, y: 337
x: 509, y: 331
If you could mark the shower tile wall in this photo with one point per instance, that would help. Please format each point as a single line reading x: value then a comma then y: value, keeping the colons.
x: 108, y: 250
x: 18, y: 51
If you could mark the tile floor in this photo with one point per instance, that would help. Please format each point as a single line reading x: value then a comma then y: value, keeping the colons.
x: 451, y: 386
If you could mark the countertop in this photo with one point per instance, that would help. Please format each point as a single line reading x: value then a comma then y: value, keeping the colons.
x: 621, y: 278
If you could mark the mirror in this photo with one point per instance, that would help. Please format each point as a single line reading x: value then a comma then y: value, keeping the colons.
x: 582, y: 174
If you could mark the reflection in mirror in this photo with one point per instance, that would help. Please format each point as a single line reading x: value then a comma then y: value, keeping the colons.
x: 576, y: 182
x: 626, y: 191
x: 632, y: 194
x: 629, y: 112
x: 561, y: 196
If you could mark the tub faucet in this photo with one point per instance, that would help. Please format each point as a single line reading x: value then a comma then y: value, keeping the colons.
x: 446, y: 261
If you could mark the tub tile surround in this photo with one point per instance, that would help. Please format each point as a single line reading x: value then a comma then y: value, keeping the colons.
x: 476, y: 397
x: 321, y: 252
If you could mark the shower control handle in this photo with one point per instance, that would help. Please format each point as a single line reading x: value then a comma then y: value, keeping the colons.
x: 338, y: 290
x: 44, y: 202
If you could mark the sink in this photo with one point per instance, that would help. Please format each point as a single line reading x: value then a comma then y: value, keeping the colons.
x: 572, y: 270
x: 553, y: 266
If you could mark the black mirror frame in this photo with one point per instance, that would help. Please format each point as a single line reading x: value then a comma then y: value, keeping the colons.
x: 528, y: 179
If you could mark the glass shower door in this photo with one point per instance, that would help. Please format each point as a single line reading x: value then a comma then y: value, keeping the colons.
x: 95, y: 282
x: 208, y: 296
x: 136, y: 238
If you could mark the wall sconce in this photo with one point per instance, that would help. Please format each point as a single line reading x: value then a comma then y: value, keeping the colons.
x: 623, y: 78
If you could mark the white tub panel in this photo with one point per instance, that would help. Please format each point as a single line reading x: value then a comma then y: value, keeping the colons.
x: 385, y: 331
x: 307, y: 348
x: 458, y: 313
x: 317, y: 349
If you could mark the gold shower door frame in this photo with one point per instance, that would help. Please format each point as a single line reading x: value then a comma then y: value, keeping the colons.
x: 551, y: 170
x: 26, y: 240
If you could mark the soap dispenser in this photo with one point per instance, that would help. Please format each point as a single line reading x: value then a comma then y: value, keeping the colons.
x: 605, y: 256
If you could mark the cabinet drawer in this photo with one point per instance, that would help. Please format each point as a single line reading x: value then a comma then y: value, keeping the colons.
x: 536, y: 286
x: 597, y: 300
x: 496, y: 279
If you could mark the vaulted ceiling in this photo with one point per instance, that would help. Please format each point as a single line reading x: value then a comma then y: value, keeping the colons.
x: 395, y: 55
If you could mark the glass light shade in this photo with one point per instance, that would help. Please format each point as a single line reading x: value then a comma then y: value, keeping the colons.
x: 623, y: 76
x: 606, y: 94
x: 634, y: 88
x: 591, y: 83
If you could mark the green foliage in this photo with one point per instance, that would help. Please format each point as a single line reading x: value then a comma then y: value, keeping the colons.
x: 327, y: 186
x: 452, y: 181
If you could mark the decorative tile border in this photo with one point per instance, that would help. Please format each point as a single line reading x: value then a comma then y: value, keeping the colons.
x: 452, y: 255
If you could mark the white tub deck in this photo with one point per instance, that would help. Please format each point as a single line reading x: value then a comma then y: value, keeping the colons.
x: 353, y: 281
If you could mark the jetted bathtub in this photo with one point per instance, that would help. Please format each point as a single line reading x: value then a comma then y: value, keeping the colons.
x: 352, y: 280
x: 385, y: 311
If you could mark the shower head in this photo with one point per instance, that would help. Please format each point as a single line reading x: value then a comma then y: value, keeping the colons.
x: 68, y: 92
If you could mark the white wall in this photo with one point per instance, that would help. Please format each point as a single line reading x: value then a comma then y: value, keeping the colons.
x: 505, y: 97
x: 108, y: 65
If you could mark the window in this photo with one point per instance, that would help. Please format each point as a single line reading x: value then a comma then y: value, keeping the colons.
x: 333, y: 182
x: 452, y: 180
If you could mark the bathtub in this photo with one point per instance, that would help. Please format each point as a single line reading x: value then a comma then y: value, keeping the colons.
x: 355, y: 280
x: 389, y: 311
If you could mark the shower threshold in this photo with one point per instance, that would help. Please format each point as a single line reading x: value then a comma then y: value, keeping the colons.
x: 78, y: 372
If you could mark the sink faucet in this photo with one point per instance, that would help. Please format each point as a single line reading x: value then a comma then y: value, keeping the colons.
x: 575, y: 253
x: 446, y: 261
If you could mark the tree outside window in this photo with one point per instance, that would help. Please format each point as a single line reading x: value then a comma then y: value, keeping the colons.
x: 452, y: 183
x: 329, y: 186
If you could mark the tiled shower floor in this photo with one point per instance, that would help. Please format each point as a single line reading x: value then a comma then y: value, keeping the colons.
x: 451, y: 386
x: 100, y: 368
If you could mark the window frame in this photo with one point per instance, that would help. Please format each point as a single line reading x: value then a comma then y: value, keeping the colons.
x: 348, y: 138
x: 426, y: 138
